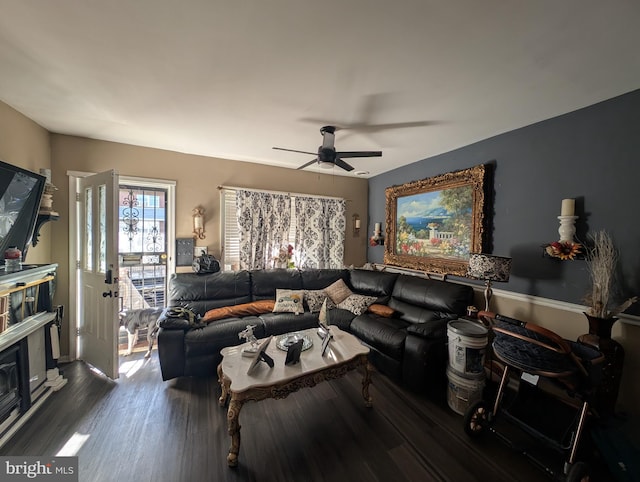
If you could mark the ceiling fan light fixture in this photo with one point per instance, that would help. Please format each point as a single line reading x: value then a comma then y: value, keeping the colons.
x: 326, y: 165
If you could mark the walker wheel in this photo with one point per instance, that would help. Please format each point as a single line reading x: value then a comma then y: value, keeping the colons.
x: 579, y: 472
x: 477, y: 419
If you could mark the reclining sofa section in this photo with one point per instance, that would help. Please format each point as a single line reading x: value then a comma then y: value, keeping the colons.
x: 408, y: 343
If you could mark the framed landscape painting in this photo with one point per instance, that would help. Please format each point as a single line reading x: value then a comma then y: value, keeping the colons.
x: 433, y: 224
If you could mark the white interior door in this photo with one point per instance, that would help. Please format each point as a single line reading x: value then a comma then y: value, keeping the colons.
x: 98, y: 272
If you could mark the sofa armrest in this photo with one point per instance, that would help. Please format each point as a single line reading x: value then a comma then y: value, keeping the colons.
x: 171, y: 353
x: 430, y: 329
x: 172, y: 323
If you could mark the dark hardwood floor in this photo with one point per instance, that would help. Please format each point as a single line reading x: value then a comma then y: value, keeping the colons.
x: 139, y: 428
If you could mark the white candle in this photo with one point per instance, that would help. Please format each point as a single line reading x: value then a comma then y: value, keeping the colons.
x: 377, y: 228
x: 568, y: 207
x: 197, y: 222
x: 357, y: 224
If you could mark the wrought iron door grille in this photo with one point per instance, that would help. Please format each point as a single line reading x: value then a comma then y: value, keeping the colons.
x: 142, y: 247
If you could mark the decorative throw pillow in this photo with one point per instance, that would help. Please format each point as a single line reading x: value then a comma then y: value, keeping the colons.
x: 289, y: 301
x: 357, y: 304
x: 338, y: 291
x: 381, y: 310
x: 244, y: 309
x: 315, y: 298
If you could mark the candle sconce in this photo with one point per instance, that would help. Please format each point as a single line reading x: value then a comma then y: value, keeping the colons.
x: 566, y: 247
x: 198, y: 223
x: 377, y: 239
x: 356, y: 224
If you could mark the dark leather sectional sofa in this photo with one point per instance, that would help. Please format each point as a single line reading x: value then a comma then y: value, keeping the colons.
x: 409, y: 346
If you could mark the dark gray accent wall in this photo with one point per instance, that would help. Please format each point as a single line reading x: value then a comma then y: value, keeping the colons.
x: 592, y: 155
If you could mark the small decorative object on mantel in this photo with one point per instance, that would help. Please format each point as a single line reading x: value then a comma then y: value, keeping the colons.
x: 566, y: 248
x: 602, y: 260
x: 46, y: 203
x: 377, y: 239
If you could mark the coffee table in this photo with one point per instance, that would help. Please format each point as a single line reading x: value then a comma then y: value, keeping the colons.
x: 345, y: 353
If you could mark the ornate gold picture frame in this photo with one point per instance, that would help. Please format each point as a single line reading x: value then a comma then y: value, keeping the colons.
x: 433, y: 224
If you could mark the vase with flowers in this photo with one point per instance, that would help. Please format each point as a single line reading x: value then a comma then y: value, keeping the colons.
x: 284, y: 259
x: 602, y: 261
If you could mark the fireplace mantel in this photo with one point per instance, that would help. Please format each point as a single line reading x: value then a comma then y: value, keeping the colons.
x: 28, y: 327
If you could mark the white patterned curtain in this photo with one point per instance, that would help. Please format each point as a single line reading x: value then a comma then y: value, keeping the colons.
x: 320, y: 229
x: 263, y: 222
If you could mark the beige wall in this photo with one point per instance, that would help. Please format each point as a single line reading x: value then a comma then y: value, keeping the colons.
x: 25, y: 144
x: 197, y: 178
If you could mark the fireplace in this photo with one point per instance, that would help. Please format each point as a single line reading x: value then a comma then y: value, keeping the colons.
x: 9, y: 382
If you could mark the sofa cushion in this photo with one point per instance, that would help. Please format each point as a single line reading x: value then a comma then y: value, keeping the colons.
x: 356, y: 304
x: 421, y: 299
x: 338, y: 291
x: 315, y: 298
x: 340, y: 318
x: 317, y: 279
x: 381, y: 310
x: 202, y: 293
x: 244, y: 309
x: 372, y: 283
x: 279, y: 323
x: 264, y: 282
x: 289, y: 301
x: 386, y: 335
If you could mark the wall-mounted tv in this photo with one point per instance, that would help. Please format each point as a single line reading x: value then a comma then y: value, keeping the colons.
x: 20, y: 194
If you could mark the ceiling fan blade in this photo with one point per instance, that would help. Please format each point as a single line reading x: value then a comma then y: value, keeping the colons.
x: 308, y: 164
x: 359, y: 154
x: 389, y: 126
x: 294, y: 150
x: 340, y: 163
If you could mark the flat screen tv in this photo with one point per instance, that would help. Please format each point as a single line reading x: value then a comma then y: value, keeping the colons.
x: 20, y: 194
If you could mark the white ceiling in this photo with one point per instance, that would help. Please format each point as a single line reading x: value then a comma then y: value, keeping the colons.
x: 234, y: 78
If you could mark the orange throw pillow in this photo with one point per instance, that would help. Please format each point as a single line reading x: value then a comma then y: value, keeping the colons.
x: 245, y: 309
x: 381, y: 310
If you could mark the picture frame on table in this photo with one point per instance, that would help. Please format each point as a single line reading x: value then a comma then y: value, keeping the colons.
x: 261, y: 355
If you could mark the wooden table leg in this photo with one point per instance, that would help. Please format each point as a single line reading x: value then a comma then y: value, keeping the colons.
x: 366, y: 381
x: 233, y: 413
x: 225, y: 384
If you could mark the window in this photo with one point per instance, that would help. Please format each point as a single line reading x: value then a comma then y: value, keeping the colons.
x: 229, y: 229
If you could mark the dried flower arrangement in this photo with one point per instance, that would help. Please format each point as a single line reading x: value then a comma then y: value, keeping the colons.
x: 602, y: 259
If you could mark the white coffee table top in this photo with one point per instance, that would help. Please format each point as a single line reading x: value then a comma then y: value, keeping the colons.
x: 343, y: 347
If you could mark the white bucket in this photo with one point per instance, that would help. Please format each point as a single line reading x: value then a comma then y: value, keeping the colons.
x: 467, y: 346
x: 463, y: 392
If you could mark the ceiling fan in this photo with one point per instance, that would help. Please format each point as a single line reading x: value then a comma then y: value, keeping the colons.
x: 327, y: 154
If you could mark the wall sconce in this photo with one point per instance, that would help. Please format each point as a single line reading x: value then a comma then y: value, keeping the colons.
x: 565, y: 248
x: 198, y: 222
x: 488, y: 268
x: 356, y: 224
